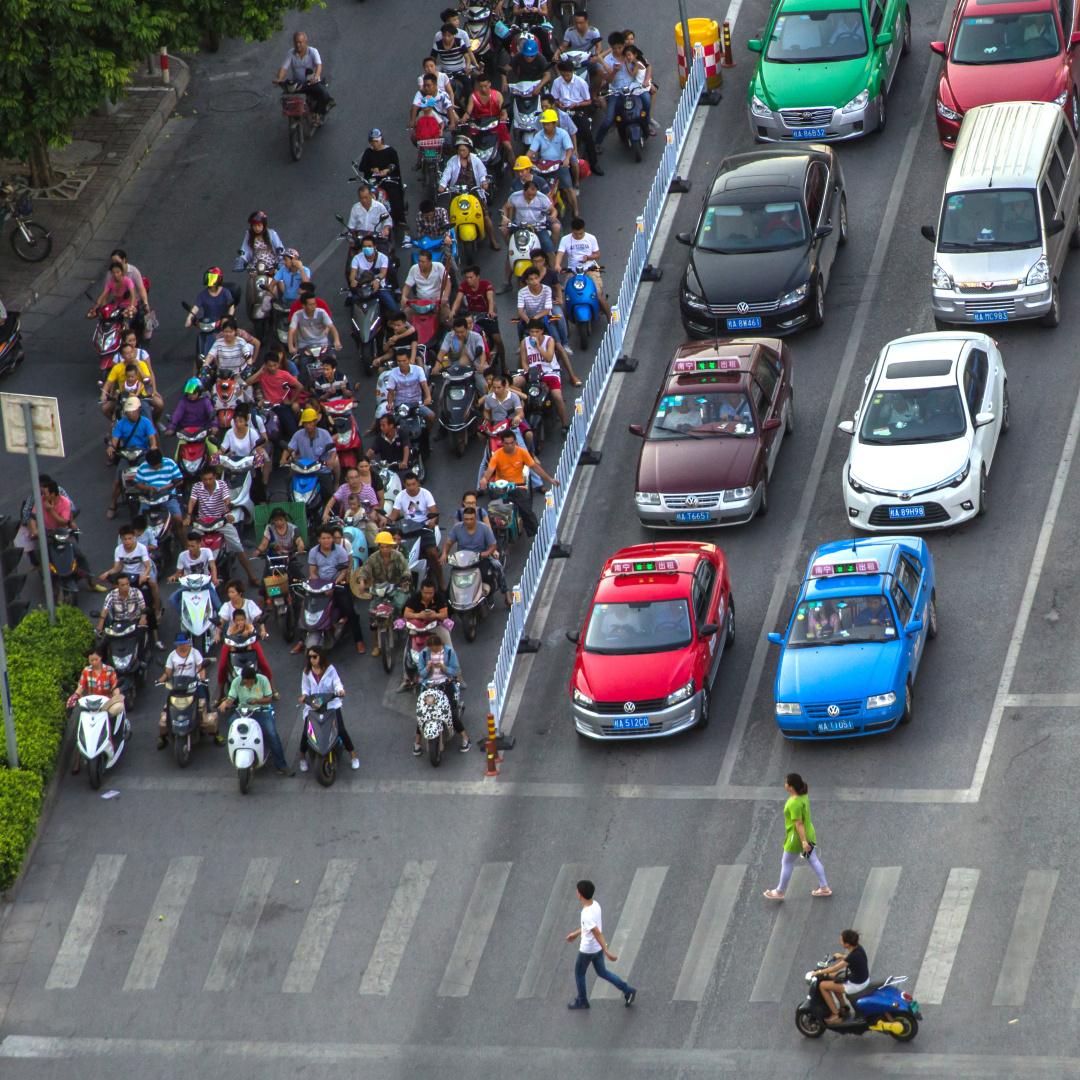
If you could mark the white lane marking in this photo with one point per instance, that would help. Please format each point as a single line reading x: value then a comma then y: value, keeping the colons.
x: 709, y: 933
x: 238, y: 933
x: 732, y: 14
x: 1023, y: 948
x: 793, y: 547
x: 791, y: 916
x: 945, y: 937
x: 396, y: 928
x: 162, y: 922
x: 550, y: 945
x: 85, y: 922
x: 319, y: 926
x: 877, y: 895
x: 472, y: 938
x: 633, y: 922
x: 325, y: 253
x: 1042, y: 701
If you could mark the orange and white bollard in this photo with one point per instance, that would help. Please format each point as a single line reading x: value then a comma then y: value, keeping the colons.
x: 493, y: 755
x: 729, y: 60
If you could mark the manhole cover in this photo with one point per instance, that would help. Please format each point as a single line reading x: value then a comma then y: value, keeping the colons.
x: 235, y: 101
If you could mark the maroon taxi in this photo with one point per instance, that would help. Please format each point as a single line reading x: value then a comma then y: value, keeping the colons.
x: 723, y: 410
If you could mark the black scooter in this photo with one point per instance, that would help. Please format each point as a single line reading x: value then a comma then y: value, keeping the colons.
x: 457, y: 406
x: 182, y: 716
x: 322, y: 732
x: 630, y: 120
x: 65, y: 571
x: 126, y: 644
x: 408, y: 417
x: 539, y: 406
x: 11, y: 346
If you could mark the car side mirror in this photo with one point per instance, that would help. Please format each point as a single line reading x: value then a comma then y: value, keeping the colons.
x: 938, y: 47
x: 573, y: 636
x: 822, y: 230
x: 776, y: 639
x: 771, y: 424
x: 984, y: 418
x: 929, y: 232
x: 847, y: 427
x: 882, y: 40
x: 1054, y: 226
x: 708, y: 629
x: 914, y: 627
x: 1074, y: 40
x: 754, y: 45
x: 684, y: 238
x: 638, y: 430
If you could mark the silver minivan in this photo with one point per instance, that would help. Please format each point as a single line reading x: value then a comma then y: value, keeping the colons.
x: 1008, y: 215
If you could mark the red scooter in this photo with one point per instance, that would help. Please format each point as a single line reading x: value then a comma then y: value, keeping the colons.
x: 343, y: 428
x: 424, y: 316
x: 226, y: 395
x: 110, y: 326
x: 212, y: 533
x: 192, y: 454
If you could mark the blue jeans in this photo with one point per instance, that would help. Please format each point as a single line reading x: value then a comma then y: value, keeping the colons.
x: 612, y: 106
x: 584, y: 959
x: 386, y: 298
x: 265, y: 716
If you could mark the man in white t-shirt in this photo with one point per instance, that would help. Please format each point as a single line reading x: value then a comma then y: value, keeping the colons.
x: 185, y: 661
x: 407, y: 384
x: 196, y: 560
x: 415, y: 508
x: 429, y: 281
x: 593, y: 949
x: 580, y: 251
x: 312, y: 328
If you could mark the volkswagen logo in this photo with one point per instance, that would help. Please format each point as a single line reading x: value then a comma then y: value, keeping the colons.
x: 629, y: 707
x: 834, y: 710
x: 691, y: 500
x: 742, y: 307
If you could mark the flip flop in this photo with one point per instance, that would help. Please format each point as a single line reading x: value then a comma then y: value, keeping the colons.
x: 772, y: 894
x: 111, y: 512
x: 822, y: 892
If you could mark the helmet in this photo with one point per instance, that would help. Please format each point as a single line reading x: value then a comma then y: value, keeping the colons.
x: 463, y: 140
x: 213, y: 276
x: 385, y: 538
x: 522, y: 163
x: 530, y: 48
x: 428, y: 103
x: 192, y: 386
x: 183, y: 638
x: 257, y: 216
x: 308, y: 415
x: 549, y: 116
x: 132, y: 405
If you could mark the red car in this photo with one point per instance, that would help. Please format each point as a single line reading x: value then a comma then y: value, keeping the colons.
x: 660, y: 619
x: 1006, y: 51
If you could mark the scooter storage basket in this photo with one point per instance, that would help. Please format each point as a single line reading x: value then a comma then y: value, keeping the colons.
x: 501, y: 514
x: 292, y: 106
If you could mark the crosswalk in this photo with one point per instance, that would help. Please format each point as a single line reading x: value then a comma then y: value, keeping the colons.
x: 419, y: 894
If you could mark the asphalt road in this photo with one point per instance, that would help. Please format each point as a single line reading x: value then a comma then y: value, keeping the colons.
x: 408, y: 923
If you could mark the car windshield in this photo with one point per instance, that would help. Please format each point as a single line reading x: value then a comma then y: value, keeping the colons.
x: 931, y: 414
x: 646, y: 626
x: 814, y: 37
x: 998, y: 219
x: 752, y: 226
x: 704, y: 415
x: 1006, y: 38
x: 843, y: 620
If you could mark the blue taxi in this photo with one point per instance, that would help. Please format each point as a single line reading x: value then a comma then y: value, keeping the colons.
x: 848, y: 661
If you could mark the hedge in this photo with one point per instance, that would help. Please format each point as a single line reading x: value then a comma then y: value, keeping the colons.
x: 44, y: 662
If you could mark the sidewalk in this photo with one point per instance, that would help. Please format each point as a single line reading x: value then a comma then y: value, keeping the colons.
x: 113, y: 146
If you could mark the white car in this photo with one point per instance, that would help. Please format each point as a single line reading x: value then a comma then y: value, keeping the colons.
x: 924, y: 436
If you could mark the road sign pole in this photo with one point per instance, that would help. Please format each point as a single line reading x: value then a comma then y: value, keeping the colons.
x: 43, y: 544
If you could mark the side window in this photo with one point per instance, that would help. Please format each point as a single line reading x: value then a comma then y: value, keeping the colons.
x: 980, y: 374
x: 1046, y: 200
x: 1056, y: 175
x: 816, y: 177
x: 761, y: 402
x: 1066, y: 146
x: 877, y: 16
x: 768, y: 357
x: 765, y: 375
x: 968, y: 380
x: 908, y: 576
x: 704, y: 577
x: 903, y: 605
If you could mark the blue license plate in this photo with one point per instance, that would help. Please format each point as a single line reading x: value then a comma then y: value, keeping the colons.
x: 692, y: 515
x: 898, y: 513
x: 991, y: 316
x: 744, y: 324
x: 809, y: 133
x: 835, y: 725
x: 622, y: 723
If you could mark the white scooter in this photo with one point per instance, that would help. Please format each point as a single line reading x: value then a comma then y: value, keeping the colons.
x: 391, y: 484
x: 247, y: 747
x: 468, y: 597
x: 197, y: 611
x: 101, y: 736
x: 237, y: 473
x: 526, y: 110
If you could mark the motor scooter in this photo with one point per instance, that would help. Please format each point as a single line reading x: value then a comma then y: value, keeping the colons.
x: 259, y: 298
x: 389, y: 481
x: 484, y: 133
x: 382, y: 618
x: 208, y: 330
x: 523, y: 241
x: 503, y: 517
x: 227, y: 392
x: 631, y: 122
x: 434, y: 720
x: 412, y: 549
x: 352, y: 529
x: 458, y: 406
x: 192, y: 453
x: 182, y: 715
x: 469, y: 597
x: 241, y: 653
x: 424, y: 317
x: 278, y: 594
x: 581, y: 302
x: 407, y: 415
x: 304, y: 487
x: 110, y: 325
x: 125, y: 642
x: 212, y: 533
x: 431, y: 164
x: 880, y: 1006
x: 238, y: 473
x: 579, y: 58
x: 247, y: 747
x: 526, y: 111
x: 309, y: 363
x: 303, y: 122
x: 158, y: 537
x: 62, y: 565
x: 130, y: 458
x: 321, y: 722
x: 197, y: 611
x: 467, y: 220
x: 344, y: 431
x: 546, y: 174
x: 478, y: 19
x: 366, y: 321
x: 539, y: 406
x: 11, y: 344
x: 415, y: 643
x: 319, y: 620
x: 433, y: 245
x: 101, y: 737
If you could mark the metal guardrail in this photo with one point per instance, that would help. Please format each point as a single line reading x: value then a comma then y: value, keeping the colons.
x: 588, y: 404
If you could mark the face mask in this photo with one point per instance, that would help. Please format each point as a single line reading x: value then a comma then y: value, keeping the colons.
x: 369, y: 251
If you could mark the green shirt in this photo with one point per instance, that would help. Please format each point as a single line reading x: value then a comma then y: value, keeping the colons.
x: 797, y: 808
x: 242, y: 695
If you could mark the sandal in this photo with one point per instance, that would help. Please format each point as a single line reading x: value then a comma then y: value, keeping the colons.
x: 822, y: 892
x: 772, y: 894
x: 834, y: 1019
x: 111, y: 512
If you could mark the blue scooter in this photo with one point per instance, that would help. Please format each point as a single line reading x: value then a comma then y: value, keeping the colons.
x: 581, y: 302
x: 304, y: 488
x: 630, y: 120
x: 879, y: 1007
x: 432, y: 245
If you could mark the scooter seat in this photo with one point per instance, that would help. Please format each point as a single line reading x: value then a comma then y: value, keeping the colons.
x: 874, y: 984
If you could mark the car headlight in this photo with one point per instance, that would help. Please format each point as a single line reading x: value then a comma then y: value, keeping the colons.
x: 582, y: 699
x: 857, y: 102
x: 735, y: 494
x: 941, y: 279
x: 794, y: 297
x: 1062, y: 98
x: 788, y: 708
x: 957, y: 478
x: 681, y: 694
x: 880, y: 701
x: 647, y: 498
x: 692, y: 300
x: 1039, y: 274
x: 853, y: 483
x: 948, y: 114
x: 758, y: 107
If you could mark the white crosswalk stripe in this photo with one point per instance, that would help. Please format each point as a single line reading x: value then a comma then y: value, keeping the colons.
x: 396, y: 928
x: 634, y: 919
x: 878, y: 893
x: 245, y: 915
x: 1027, y: 931
x: 709, y: 933
x: 563, y: 910
x: 472, y: 938
x: 319, y: 927
x: 945, y: 937
x: 787, y: 932
x: 75, y: 949
x: 161, y: 923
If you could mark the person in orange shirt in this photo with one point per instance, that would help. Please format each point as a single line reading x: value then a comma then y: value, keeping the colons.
x: 509, y: 462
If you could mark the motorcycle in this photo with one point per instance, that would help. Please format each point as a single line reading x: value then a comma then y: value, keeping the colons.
x: 526, y: 111
x: 101, y: 737
x: 434, y: 720
x: 539, y: 406
x: 382, y: 617
x: 467, y: 220
x: 478, y: 21
x: 208, y: 330
x: 309, y: 363
x: 433, y: 245
x: 415, y: 644
x: 414, y: 554
x: 238, y: 474
x: 192, y: 453
x: 468, y: 597
x: 352, y: 529
x: 11, y: 345
x: 878, y: 1007
x: 484, y: 133
x: 62, y: 565
x: 30, y: 240
x: 304, y: 488
x: 110, y: 325
x: 424, y: 317
x: 303, y: 123
x: 630, y: 120
x: 322, y: 733
x: 227, y: 392
x: 578, y: 57
x: 503, y: 517
x: 344, y: 431
x: 196, y: 611
x: 522, y: 243
x: 408, y: 416
x: 158, y: 537
x: 581, y: 302
x: 182, y: 715
x: 247, y: 748
x: 546, y: 174
x: 319, y: 621
x: 365, y: 317
x: 276, y: 584
x: 212, y: 533
x: 126, y: 644
x: 457, y: 406
x: 260, y: 272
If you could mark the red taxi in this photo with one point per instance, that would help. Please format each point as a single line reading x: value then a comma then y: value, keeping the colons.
x: 661, y: 616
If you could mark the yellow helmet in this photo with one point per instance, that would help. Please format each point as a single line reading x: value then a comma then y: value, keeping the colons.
x: 522, y: 163
x: 385, y: 538
x: 308, y: 415
x: 549, y: 116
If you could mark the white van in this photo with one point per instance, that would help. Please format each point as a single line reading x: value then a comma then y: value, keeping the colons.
x: 1008, y: 214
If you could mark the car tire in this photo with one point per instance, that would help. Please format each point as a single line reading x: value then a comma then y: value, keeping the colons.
x: 931, y: 617
x: 909, y: 704
x: 1053, y: 316
x: 1006, y: 410
x: 841, y: 240
x: 817, y: 316
x: 984, y: 500
x: 703, y: 718
x: 789, y: 422
x: 882, y: 112
x: 905, y: 44
x: 763, y: 508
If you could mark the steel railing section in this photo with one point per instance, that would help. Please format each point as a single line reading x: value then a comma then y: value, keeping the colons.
x: 587, y: 406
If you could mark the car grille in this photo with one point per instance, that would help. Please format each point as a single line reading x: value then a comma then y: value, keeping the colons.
x: 971, y: 306
x: 807, y: 117
x: 702, y: 500
x: 618, y: 708
x: 751, y: 309
x: 935, y: 515
x: 847, y: 709
x: 652, y: 729
x: 978, y: 289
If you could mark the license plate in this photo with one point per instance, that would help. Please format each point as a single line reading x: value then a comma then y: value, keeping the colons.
x: 809, y: 133
x: 744, y: 324
x: 431, y: 152
x: 274, y: 590
x: 621, y: 723
x: 898, y: 513
x: 835, y: 725
x: 991, y: 316
x: 692, y: 515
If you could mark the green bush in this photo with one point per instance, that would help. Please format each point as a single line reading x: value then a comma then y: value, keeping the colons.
x: 20, y: 803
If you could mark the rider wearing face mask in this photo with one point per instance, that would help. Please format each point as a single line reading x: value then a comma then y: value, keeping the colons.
x: 370, y: 258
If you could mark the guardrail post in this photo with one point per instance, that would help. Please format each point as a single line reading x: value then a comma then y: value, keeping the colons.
x: 648, y: 271
x: 588, y: 455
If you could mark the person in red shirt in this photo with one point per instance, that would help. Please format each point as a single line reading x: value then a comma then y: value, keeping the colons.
x: 239, y: 627
x: 478, y: 296
x: 307, y: 288
x: 280, y: 390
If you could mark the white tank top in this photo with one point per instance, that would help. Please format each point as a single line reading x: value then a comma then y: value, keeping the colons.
x: 533, y: 356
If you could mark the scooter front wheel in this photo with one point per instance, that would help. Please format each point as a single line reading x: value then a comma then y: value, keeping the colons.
x: 434, y: 747
x: 296, y: 139
x: 808, y: 1024
x: 470, y: 625
x: 325, y: 770
x: 182, y: 749
x: 583, y: 334
x: 244, y: 776
x: 93, y: 772
x: 386, y: 650
x: 639, y: 147
x: 461, y: 442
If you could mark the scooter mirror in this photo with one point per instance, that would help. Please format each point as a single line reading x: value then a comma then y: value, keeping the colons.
x: 340, y: 218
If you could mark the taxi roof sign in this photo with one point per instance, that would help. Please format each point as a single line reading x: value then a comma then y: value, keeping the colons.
x: 828, y: 569
x: 645, y: 566
x: 724, y: 363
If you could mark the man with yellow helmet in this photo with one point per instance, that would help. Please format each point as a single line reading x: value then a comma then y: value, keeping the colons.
x: 387, y: 564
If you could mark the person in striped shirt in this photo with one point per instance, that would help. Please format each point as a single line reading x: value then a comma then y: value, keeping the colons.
x: 156, y: 475
x: 230, y: 352
x: 453, y: 55
x: 211, y: 496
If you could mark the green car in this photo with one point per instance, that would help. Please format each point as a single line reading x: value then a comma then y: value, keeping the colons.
x: 825, y: 68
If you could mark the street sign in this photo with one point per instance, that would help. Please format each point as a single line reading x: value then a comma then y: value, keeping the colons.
x: 48, y: 436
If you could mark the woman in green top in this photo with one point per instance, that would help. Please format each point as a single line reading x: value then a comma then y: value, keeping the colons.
x: 799, y: 838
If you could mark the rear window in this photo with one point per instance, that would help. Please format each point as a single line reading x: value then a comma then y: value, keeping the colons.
x: 918, y: 369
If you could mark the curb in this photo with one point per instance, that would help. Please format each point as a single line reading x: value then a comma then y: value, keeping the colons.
x: 49, y: 278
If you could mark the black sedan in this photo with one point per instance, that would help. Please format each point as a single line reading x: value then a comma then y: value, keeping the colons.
x: 765, y: 243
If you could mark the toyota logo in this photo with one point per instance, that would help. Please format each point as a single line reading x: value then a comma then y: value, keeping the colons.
x: 742, y: 307
x: 691, y: 500
x: 905, y: 495
x: 834, y: 710
x: 629, y: 707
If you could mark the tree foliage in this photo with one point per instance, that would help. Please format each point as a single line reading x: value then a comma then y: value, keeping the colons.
x: 196, y: 21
